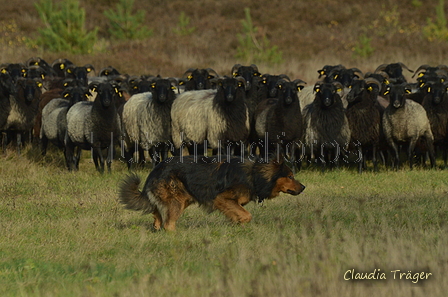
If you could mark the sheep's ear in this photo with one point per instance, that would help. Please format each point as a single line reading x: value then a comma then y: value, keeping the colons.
x: 408, y: 91
x: 387, y: 91
x: 65, y: 94
x: 89, y: 68
x: 93, y: 87
x: 4, y: 70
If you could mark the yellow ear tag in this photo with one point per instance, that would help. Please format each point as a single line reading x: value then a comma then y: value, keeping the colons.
x: 89, y: 70
x: 421, y: 74
x: 39, y: 85
x: 189, y: 77
x: 336, y: 76
x: 280, y: 87
x: 235, y: 74
x: 69, y: 70
x: 317, y: 90
x: 422, y: 84
x: 173, y: 88
x: 4, y: 71
x: 116, y: 90
x: 429, y: 89
x: 408, y: 91
x: 62, y: 66
x: 369, y: 89
x: 338, y: 90
x: 322, y: 72
x: 43, y: 76
x: 442, y: 80
x: 386, y: 81
x: 240, y: 84
x: 66, y: 95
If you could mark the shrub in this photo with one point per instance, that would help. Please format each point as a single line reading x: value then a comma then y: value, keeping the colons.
x: 64, y: 27
x: 183, y: 27
x: 251, y: 49
x: 437, y: 30
x: 126, y: 25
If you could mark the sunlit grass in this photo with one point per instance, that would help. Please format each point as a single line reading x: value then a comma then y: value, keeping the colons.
x: 65, y: 234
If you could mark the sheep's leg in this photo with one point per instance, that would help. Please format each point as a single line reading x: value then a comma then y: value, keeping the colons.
x: 374, y: 159
x: 77, y: 157
x: 431, y: 151
x: 362, y: 161
x: 43, y: 144
x: 411, y: 148
x: 110, y: 157
x: 4, y: 141
x: 396, y: 151
x: 19, y: 142
x: 98, y: 159
x: 69, y: 155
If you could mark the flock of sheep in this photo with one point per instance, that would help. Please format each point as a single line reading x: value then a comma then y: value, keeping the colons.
x: 347, y: 117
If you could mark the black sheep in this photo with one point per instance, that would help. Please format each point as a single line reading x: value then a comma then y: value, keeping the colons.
x: 280, y: 121
x: 436, y: 105
x: 94, y: 126
x: 364, y: 118
x: 198, y: 79
x: 327, y: 131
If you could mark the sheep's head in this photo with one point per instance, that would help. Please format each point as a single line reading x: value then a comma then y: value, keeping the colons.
x: 359, y: 87
x: 328, y: 93
x: 30, y: 88
x: 197, y: 79
x: 7, y: 85
x: 328, y: 68
x: 247, y: 72
x: 397, y: 94
x: 268, y: 83
x: 344, y: 76
x: 162, y: 89
x: 287, y: 90
x: 106, y: 92
x: 436, y: 92
x: 394, y: 70
x: 230, y: 87
x: 76, y: 94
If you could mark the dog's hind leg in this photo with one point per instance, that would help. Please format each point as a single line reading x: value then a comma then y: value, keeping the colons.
x: 230, y: 204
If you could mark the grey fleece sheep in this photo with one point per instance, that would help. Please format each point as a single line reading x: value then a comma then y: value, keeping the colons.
x: 24, y: 105
x: 219, y: 116
x: 54, y: 117
x: 406, y: 121
x: 147, y: 121
x: 93, y: 125
x: 327, y: 131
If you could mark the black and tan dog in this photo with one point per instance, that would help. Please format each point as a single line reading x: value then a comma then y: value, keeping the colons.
x: 227, y: 186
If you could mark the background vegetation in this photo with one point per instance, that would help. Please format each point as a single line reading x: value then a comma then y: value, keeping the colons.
x: 204, y: 33
x: 64, y: 234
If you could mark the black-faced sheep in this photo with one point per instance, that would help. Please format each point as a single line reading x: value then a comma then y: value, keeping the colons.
x: 147, y: 121
x: 93, y: 126
x: 280, y: 122
x: 217, y: 117
x: 436, y: 105
x: 24, y: 105
x: 59, y: 66
x: 7, y: 89
x: 394, y: 70
x: 406, y: 121
x: 197, y: 79
x: 79, y: 72
x: 54, y: 117
x: 364, y: 117
x: 327, y: 132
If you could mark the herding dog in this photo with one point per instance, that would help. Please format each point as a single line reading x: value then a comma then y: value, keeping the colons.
x: 227, y: 186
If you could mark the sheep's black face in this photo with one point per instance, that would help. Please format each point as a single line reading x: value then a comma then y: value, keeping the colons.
x: 356, y: 89
x: 288, y: 91
x: 437, y: 91
x: 397, y: 93
x: 6, y: 83
x: 30, y: 88
x: 161, y: 90
x: 248, y: 73
x: 327, y: 94
x: 230, y: 87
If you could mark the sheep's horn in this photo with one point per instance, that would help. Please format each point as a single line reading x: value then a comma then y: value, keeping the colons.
x: 284, y: 76
x: 405, y: 67
x: 254, y: 67
x: 371, y: 80
x: 380, y: 68
x: 422, y: 67
x: 235, y: 67
x: 298, y: 81
x: 173, y: 80
x: 241, y: 79
x: 189, y: 71
x: 356, y: 70
x: 211, y: 71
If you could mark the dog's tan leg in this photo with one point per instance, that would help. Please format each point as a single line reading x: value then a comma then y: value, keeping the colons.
x: 157, y: 220
x: 229, y: 204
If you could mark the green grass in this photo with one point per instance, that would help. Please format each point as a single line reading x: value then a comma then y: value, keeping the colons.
x: 65, y: 234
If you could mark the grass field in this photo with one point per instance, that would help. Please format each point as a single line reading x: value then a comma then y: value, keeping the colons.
x: 65, y: 234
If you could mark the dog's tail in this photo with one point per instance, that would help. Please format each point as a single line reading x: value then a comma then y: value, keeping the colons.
x: 132, y: 197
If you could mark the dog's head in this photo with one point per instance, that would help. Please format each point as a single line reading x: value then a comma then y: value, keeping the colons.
x: 279, y: 178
